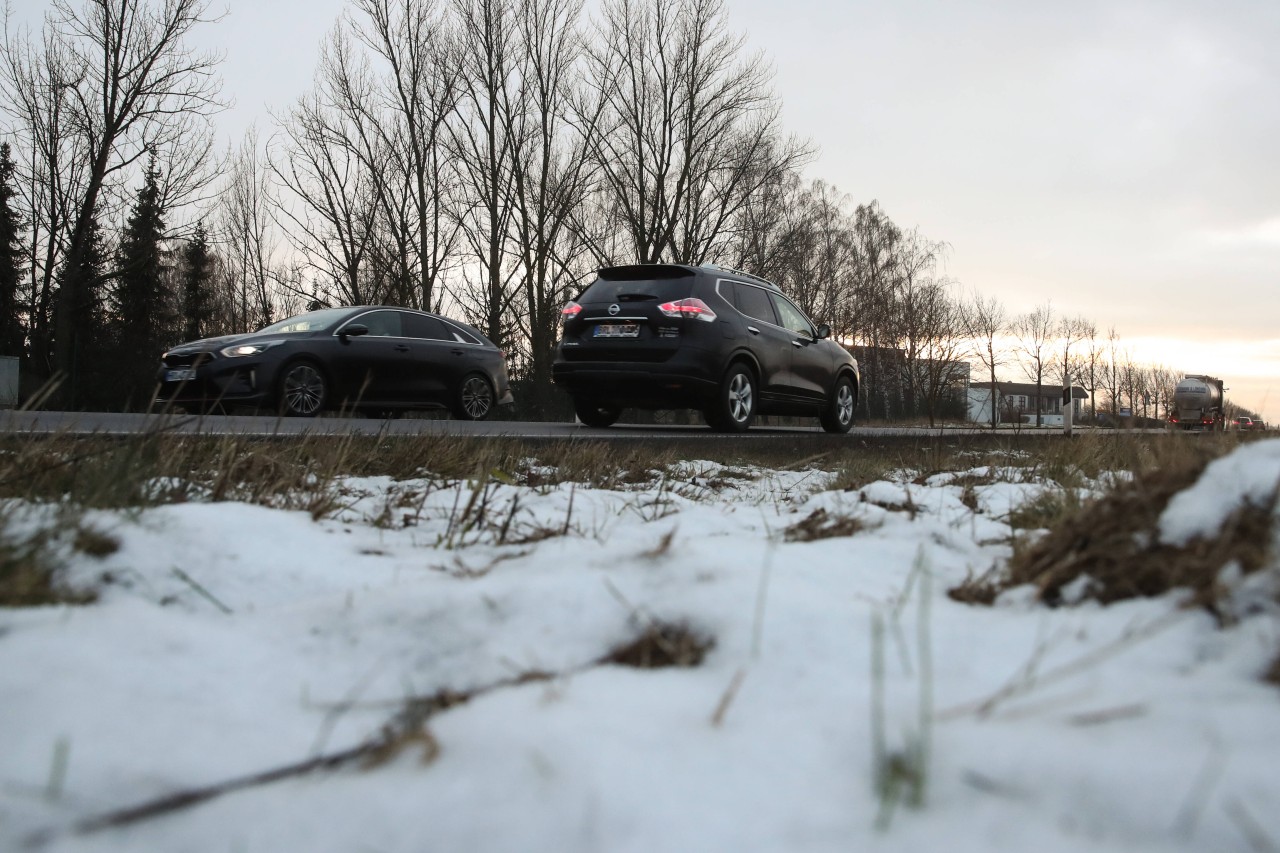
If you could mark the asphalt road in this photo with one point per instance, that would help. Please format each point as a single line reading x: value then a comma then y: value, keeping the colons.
x: 113, y: 423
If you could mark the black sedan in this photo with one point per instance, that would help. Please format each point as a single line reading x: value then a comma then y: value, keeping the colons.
x: 368, y: 357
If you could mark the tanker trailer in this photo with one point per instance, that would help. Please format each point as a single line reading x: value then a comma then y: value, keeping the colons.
x: 1197, y: 404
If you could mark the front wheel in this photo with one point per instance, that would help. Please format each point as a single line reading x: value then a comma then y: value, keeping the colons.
x: 735, y: 404
x: 595, y: 414
x: 474, y: 400
x: 303, y: 390
x: 838, y: 414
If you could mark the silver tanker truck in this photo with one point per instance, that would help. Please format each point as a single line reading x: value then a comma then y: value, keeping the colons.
x: 1197, y: 404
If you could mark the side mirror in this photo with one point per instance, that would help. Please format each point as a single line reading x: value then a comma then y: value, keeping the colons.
x: 355, y: 330
x: 824, y: 331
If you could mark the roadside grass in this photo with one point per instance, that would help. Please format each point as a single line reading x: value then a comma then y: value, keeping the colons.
x: 307, y: 473
x: 1108, y: 549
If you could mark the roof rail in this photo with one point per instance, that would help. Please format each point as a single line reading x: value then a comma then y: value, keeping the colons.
x: 710, y: 266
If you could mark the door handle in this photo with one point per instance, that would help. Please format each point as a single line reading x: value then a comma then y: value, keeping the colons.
x: 796, y: 343
x: 458, y: 352
x: 753, y: 330
x: 401, y: 347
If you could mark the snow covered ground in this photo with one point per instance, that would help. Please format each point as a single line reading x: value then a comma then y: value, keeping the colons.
x: 444, y: 678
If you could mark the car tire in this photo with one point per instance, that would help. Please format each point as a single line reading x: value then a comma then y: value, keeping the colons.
x: 595, y: 414
x: 837, y: 416
x: 474, y: 399
x: 734, y: 405
x: 303, y: 391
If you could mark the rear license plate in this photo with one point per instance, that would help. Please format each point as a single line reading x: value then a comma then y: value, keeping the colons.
x: 617, y: 330
x: 185, y: 374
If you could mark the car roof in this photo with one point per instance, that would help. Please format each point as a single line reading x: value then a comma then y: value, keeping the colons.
x: 645, y: 272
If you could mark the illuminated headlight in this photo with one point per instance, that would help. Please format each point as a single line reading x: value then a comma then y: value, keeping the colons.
x: 241, y: 350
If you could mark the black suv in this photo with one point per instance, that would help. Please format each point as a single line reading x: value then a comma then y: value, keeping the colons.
x: 664, y: 336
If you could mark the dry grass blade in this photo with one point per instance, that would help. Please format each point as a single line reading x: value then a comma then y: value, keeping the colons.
x: 821, y: 524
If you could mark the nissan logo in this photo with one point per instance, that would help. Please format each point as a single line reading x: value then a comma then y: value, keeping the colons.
x: 614, y: 309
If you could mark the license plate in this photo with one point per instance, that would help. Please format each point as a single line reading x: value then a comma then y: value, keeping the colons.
x: 617, y: 330
x: 185, y: 374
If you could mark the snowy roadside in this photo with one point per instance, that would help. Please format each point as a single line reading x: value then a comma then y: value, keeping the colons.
x: 469, y: 630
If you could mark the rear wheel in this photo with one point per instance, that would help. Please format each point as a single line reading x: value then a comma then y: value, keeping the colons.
x: 735, y: 404
x: 303, y: 390
x: 595, y: 414
x: 474, y: 400
x: 838, y: 414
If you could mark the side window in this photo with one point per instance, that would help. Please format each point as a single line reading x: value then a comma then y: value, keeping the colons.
x: 382, y: 324
x: 792, y: 319
x: 754, y: 302
x: 422, y: 326
x: 460, y: 335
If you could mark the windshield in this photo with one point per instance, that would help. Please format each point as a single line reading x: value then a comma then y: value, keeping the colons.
x: 312, y: 321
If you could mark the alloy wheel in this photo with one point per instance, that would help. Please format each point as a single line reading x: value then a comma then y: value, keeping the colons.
x: 844, y: 403
x: 740, y: 398
x: 303, y: 390
x: 477, y: 398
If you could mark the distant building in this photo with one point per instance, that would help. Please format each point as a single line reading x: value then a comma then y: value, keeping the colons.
x: 1016, y: 399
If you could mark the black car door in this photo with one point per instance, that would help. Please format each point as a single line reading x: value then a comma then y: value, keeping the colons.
x: 811, y: 361
x: 368, y: 368
x: 439, y: 359
x: 770, y: 343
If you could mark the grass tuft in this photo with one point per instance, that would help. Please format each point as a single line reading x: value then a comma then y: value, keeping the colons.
x: 1109, y: 550
x: 662, y: 645
x: 821, y: 524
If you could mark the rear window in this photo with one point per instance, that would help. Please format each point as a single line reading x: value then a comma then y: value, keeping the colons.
x: 637, y: 289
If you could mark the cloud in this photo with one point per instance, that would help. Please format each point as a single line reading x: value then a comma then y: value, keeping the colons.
x: 1264, y: 233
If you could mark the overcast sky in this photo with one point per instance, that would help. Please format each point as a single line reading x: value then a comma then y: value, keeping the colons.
x: 1117, y: 157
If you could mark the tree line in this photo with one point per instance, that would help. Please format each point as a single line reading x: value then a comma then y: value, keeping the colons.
x: 480, y: 158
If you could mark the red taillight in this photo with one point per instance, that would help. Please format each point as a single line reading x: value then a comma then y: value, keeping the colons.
x: 688, y: 308
x: 570, y: 311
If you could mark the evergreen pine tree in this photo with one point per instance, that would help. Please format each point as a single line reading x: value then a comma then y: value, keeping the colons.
x: 11, y: 318
x: 91, y: 363
x: 143, y: 304
x: 197, y: 301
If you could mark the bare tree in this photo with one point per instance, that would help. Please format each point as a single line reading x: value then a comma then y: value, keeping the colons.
x: 406, y: 112
x: 865, y: 312
x: 249, y: 242
x: 482, y: 146
x: 114, y: 82
x: 552, y: 173
x: 1034, y: 333
x: 1092, y: 366
x: 1112, y: 370
x: 812, y: 255
x: 940, y: 372
x: 985, y: 323
x: 321, y: 160
x: 691, y: 127
x: 919, y: 306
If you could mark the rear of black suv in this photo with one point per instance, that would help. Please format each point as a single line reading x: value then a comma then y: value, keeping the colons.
x: 664, y: 336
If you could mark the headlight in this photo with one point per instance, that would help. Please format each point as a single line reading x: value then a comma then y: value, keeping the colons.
x: 240, y: 350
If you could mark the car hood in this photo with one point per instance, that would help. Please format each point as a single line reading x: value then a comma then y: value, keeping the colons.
x: 207, y: 344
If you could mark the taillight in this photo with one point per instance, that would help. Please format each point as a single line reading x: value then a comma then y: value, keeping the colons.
x: 688, y: 308
x: 570, y: 311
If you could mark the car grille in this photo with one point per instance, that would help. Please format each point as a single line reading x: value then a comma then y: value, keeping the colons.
x: 187, y: 359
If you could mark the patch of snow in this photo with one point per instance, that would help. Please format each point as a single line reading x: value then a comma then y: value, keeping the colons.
x: 230, y: 639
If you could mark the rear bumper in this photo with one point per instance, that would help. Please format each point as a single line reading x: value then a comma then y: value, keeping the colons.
x: 656, y: 386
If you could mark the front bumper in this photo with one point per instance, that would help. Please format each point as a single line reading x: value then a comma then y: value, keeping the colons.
x: 218, y: 382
